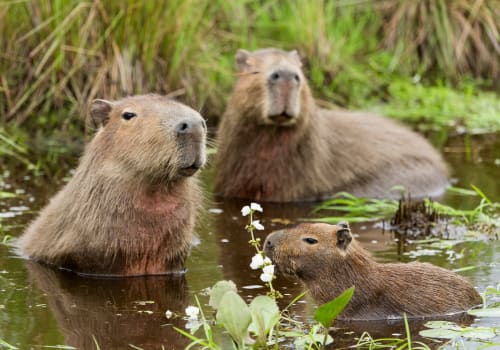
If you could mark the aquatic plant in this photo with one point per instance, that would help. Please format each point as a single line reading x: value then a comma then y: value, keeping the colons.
x: 259, y: 324
x: 416, y: 217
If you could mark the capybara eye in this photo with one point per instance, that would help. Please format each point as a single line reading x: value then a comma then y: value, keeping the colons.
x: 128, y: 115
x: 296, y: 78
x: 275, y: 76
x: 310, y: 240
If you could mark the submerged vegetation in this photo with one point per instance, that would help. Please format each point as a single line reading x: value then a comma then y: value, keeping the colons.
x: 59, y: 55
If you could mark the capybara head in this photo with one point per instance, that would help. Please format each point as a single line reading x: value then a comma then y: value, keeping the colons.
x: 298, y: 251
x: 274, y: 82
x: 150, y: 136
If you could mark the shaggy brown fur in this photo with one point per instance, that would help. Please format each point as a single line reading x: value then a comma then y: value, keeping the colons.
x: 130, y: 207
x: 276, y: 145
x: 323, y: 258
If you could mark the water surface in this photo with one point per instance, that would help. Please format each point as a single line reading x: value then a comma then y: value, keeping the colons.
x: 40, y: 306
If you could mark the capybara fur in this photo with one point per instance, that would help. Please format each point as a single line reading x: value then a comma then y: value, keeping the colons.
x: 275, y: 144
x: 130, y: 206
x: 327, y: 260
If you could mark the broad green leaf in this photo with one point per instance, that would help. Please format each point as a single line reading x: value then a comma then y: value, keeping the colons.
x: 234, y: 315
x: 326, y: 313
x: 218, y: 291
x: 488, y: 312
x: 469, y: 332
x: 450, y: 330
x: 265, y: 314
x: 439, y: 333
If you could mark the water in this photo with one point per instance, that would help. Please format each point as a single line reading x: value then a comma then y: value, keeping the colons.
x: 43, y: 307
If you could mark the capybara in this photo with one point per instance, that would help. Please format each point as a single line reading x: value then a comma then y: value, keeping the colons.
x: 327, y: 260
x: 275, y: 144
x: 130, y: 206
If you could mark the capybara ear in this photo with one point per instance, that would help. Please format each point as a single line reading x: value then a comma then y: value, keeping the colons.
x: 344, y: 236
x: 242, y: 59
x: 294, y: 55
x: 99, y: 112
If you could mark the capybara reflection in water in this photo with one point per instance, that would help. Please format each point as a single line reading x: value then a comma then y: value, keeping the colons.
x: 327, y: 260
x: 130, y: 207
x: 275, y: 144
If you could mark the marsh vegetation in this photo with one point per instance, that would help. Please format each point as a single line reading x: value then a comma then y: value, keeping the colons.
x: 432, y: 64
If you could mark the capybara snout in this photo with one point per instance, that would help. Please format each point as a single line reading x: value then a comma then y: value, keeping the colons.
x: 279, y: 83
x: 155, y: 137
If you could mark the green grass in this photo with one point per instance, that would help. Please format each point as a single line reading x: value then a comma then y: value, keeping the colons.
x: 59, y: 55
x: 484, y: 217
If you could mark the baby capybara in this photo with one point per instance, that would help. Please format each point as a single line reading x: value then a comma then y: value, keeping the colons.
x: 275, y: 144
x: 327, y: 260
x: 130, y: 206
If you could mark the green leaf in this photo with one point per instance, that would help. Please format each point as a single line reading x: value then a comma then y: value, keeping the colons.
x: 450, y: 330
x: 234, y: 315
x: 488, y: 312
x: 218, y: 291
x: 327, y: 313
x: 265, y: 314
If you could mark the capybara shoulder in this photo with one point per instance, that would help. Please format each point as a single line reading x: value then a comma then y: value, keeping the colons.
x: 130, y: 207
x: 327, y: 260
x: 275, y: 144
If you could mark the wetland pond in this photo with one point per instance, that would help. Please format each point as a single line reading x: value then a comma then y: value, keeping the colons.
x: 45, y: 308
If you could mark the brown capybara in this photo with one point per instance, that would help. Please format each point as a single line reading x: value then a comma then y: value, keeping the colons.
x: 276, y: 145
x: 130, y: 206
x: 328, y: 261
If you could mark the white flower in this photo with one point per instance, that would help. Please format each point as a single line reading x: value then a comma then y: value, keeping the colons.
x: 267, y: 273
x: 245, y: 210
x: 268, y: 270
x: 168, y: 314
x: 267, y: 261
x: 257, y: 261
x: 257, y: 225
x: 266, y: 278
x: 256, y: 207
x: 192, y: 312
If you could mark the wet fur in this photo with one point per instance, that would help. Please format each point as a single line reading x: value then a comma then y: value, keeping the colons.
x: 323, y: 153
x: 381, y: 290
x: 126, y: 211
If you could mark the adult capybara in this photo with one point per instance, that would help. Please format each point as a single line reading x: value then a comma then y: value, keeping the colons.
x: 276, y: 145
x: 131, y: 204
x: 327, y: 261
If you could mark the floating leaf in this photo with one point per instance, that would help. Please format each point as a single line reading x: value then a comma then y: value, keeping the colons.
x: 450, y: 330
x: 234, y: 315
x: 326, y: 313
x: 218, y: 291
x: 487, y: 312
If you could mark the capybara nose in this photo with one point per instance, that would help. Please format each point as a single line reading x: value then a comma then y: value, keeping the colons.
x: 284, y: 75
x: 189, y: 126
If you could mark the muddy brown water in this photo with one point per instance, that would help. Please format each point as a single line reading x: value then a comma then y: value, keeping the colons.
x: 42, y: 307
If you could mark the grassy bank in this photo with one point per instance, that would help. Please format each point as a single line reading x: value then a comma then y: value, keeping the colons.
x: 58, y: 55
